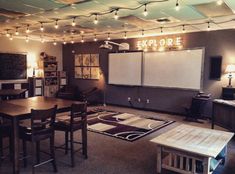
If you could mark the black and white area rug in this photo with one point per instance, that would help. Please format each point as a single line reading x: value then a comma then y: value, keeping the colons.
x: 125, y: 126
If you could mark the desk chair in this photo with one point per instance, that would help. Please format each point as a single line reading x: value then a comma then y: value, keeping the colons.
x: 76, y: 120
x: 42, y: 128
x: 195, y: 111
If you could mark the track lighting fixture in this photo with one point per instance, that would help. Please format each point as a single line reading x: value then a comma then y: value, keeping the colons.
x: 73, y: 23
x: 177, y: 5
x: 116, y: 15
x: 96, y: 19
x: 145, y: 13
x: 41, y: 27
x: 56, y: 24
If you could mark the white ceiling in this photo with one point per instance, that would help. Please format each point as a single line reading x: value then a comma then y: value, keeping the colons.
x: 193, y: 14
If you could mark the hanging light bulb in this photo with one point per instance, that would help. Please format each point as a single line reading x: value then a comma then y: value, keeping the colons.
x: 54, y: 43
x: 95, y: 39
x: 64, y: 42
x: 177, y: 5
x: 116, y: 15
x: 41, y: 27
x: 56, y: 24
x: 145, y: 13
x: 7, y: 33
x: 208, y: 26
x: 27, y: 29
x: 73, y: 23
x: 82, y: 40
x: 17, y: 32
x: 72, y: 41
x: 42, y: 40
x: 27, y: 39
x: 219, y: 2
x: 183, y: 29
x: 11, y: 37
x: 108, y: 38
x: 96, y: 19
x: 142, y: 32
x: 125, y: 37
x: 161, y: 29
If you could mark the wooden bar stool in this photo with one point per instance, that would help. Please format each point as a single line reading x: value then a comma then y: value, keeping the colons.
x: 76, y: 120
x: 42, y: 128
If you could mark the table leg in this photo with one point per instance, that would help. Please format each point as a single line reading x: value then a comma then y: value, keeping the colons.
x: 213, y: 116
x: 159, y: 159
x: 206, y: 165
x: 15, y: 141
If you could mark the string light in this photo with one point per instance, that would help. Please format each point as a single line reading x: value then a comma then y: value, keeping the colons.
x: 125, y: 37
x: 96, y: 19
x: 27, y: 39
x: 208, y: 26
x: 219, y: 2
x: 116, y: 15
x: 145, y: 13
x: 177, y: 5
x: 82, y: 40
x: 56, y: 24
x: 11, y: 37
x: 17, y: 32
x: 54, y: 43
x: 108, y: 36
x: 41, y: 27
x: 73, y: 23
x: 95, y: 39
x: 7, y: 33
x: 27, y: 29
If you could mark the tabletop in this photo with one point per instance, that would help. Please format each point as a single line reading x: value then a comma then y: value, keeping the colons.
x: 22, y: 107
x: 201, y: 141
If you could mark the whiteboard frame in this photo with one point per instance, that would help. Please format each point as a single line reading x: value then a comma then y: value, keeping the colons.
x: 189, y: 89
x: 142, y: 67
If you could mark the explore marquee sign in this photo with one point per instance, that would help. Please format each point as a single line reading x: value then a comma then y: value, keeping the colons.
x: 161, y: 44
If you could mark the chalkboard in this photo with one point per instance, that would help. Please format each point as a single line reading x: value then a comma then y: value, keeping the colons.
x: 13, y: 66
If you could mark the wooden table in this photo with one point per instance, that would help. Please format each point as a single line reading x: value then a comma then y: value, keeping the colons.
x: 19, y: 109
x: 16, y: 93
x: 180, y: 148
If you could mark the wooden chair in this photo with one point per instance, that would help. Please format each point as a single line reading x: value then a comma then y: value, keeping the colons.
x: 42, y: 128
x: 5, y: 132
x: 76, y: 120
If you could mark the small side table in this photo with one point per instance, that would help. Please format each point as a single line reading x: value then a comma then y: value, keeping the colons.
x: 228, y: 93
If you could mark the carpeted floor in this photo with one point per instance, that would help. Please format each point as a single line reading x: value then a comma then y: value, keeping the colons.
x: 108, y: 155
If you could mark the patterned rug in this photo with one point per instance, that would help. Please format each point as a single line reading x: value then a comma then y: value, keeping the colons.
x: 125, y: 126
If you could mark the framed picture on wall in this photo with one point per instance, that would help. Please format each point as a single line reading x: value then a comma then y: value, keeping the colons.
x: 86, y: 66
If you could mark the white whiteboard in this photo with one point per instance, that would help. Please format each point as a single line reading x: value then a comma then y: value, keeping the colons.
x: 176, y: 69
x: 125, y: 68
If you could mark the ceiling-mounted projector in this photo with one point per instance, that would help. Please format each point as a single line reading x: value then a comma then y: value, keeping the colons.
x: 121, y: 46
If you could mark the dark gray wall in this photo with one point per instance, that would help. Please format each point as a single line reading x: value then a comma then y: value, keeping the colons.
x: 161, y: 99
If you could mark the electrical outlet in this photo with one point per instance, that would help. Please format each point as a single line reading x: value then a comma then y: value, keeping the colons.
x: 129, y: 98
x: 147, y: 101
x: 139, y: 100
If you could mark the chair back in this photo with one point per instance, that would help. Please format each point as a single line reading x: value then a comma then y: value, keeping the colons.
x: 78, y: 114
x: 42, y: 123
x: 197, y: 106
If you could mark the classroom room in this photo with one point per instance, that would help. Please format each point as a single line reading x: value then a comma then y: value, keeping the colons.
x: 117, y: 86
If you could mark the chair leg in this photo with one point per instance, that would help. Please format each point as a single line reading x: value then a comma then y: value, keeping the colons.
x: 24, y: 153
x: 1, y: 146
x: 66, y: 142
x: 33, y: 156
x: 84, y: 140
x: 52, y: 148
x: 38, y: 151
x: 72, y: 149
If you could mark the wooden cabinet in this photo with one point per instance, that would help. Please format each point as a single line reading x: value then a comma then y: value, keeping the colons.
x: 35, y: 86
x: 51, y: 83
x: 224, y: 114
